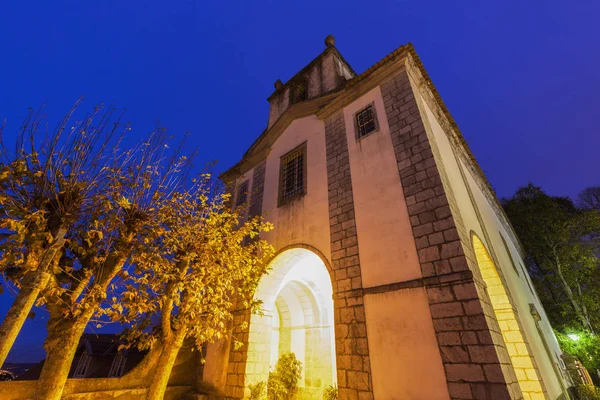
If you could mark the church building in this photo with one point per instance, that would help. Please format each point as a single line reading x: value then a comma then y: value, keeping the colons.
x: 397, y: 274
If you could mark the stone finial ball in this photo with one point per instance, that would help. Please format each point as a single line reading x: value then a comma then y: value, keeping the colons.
x: 278, y: 85
x: 329, y: 41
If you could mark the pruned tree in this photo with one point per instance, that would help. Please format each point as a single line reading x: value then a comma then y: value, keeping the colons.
x: 199, y: 261
x: 139, y: 182
x: 46, y: 185
x: 82, y: 215
x: 562, y: 246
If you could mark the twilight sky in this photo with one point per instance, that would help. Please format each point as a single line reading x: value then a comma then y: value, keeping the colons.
x: 521, y: 78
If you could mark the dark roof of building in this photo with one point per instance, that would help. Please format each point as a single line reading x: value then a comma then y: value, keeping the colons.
x: 99, y: 344
x: 102, y: 347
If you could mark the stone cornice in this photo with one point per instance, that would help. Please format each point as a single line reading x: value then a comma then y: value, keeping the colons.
x: 458, y: 142
x: 331, y: 49
x: 388, y: 67
x: 404, y: 57
x: 259, y: 150
x: 320, y: 106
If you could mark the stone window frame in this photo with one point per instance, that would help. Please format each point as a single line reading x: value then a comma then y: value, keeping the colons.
x: 238, y: 198
x: 280, y: 197
x: 375, y: 119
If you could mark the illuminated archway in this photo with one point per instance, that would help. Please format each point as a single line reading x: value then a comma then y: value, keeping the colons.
x: 521, y: 359
x: 298, y: 318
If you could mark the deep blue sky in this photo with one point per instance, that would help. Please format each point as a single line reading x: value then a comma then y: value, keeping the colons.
x: 521, y: 78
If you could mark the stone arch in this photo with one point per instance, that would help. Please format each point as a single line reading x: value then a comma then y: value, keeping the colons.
x: 313, y: 249
x: 297, y: 317
x: 514, y: 338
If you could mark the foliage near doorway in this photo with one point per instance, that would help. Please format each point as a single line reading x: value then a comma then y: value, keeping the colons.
x: 330, y: 393
x: 283, y: 381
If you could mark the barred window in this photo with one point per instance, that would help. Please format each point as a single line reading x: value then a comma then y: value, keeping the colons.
x: 292, y: 175
x: 242, y: 195
x: 365, y: 121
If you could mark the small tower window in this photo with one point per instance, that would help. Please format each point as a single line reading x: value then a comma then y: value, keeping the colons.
x: 299, y: 93
x: 365, y: 121
x: 292, y: 175
x: 298, y: 90
x: 242, y: 195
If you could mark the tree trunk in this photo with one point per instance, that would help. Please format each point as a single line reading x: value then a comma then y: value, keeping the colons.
x: 583, y: 307
x: 162, y: 372
x: 571, y: 297
x: 31, y: 285
x: 64, y: 334
x: 61, y: 345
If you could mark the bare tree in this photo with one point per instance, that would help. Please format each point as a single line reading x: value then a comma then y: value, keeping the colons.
x: 45, y: 186
x: 139, y: 182
x: 589, y: 198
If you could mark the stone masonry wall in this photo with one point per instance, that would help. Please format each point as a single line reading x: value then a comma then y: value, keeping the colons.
x: 236, y: 368
x: 258, y: 185
x: 238, y: 358
x: 352, y: 350
x: 493, y: 314
x: 477, y: 365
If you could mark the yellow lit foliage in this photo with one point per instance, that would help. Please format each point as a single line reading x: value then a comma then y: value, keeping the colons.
x: 188, y: 274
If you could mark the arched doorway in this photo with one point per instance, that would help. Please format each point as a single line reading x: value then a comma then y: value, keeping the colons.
x: 298, y: 318
x: 521, y: 359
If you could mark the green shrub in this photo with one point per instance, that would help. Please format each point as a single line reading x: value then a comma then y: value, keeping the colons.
x: 330, y: 393
x: 276, y: 390
x: 284, y: 380
x: 258, y: 391
x: 588, y: 392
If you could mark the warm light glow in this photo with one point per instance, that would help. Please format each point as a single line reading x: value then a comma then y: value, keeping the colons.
x: 298, y: 318
x: 573, y: 336
x: 509, y: 326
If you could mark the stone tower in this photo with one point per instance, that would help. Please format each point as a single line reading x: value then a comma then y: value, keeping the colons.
x: 397, y: 274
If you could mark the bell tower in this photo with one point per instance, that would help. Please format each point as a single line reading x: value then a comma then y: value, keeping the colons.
x: 323, y: 75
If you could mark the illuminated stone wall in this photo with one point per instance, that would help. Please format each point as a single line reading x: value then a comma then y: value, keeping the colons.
x: 419, y: 310
x: 298, y: 318
x: 512, y: 332
x: 131, y: 386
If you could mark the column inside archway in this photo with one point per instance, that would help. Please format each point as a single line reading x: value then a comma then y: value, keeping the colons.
x: 298, y: 318
x: 299, y: 327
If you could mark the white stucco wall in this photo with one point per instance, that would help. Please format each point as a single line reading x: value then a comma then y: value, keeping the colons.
x: 401, y: 339
x: 517, y: 284
x: 403, y: 350
x: 405, y: 359
x: 304, y: 220
x: 387, y: 248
